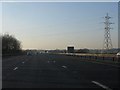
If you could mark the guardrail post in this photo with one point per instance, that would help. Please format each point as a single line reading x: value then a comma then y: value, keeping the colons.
x: 118, y: 59
x: 95, y: 57
x: 103, y: 58
x: 113, y: 58
x: 90, y: 57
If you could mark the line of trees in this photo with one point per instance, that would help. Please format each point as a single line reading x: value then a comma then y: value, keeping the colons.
x: 10, y: 45
x: 82, y: 51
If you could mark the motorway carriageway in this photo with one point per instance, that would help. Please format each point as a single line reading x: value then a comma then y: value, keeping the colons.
x: 57, y: 71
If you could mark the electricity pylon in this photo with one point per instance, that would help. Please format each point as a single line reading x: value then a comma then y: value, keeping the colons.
x: 107, y: 37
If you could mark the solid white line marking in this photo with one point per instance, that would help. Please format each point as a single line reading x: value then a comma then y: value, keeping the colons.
x: 15, y: 68
x: 103, y: 86
x: 106, y: 64
x: 64, y: 66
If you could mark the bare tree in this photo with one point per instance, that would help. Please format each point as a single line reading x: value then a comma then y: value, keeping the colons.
x: 10, y: 44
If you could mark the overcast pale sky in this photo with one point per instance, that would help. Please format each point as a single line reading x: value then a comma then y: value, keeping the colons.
x: 55, y: 25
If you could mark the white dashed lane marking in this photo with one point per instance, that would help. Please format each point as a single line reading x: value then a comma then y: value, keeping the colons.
x: 101, y: 85
x: 64, y: 66
x: 15, y: 68
x: 51, y: 61
x: 23, y: 62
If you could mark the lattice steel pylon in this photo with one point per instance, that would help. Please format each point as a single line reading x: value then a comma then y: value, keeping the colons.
x: 107, y: 37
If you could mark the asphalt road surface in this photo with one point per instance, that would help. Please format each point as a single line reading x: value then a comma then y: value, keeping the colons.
x: 57, y: 71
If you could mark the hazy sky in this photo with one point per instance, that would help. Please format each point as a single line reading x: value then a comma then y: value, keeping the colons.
x: 55, y: 25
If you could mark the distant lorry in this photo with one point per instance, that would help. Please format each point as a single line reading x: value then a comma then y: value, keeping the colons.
x: 70, y: 49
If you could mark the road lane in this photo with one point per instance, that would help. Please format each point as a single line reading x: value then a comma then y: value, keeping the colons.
x: 37, y: 73
x: 8, y: 64
x: 106, y: 74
